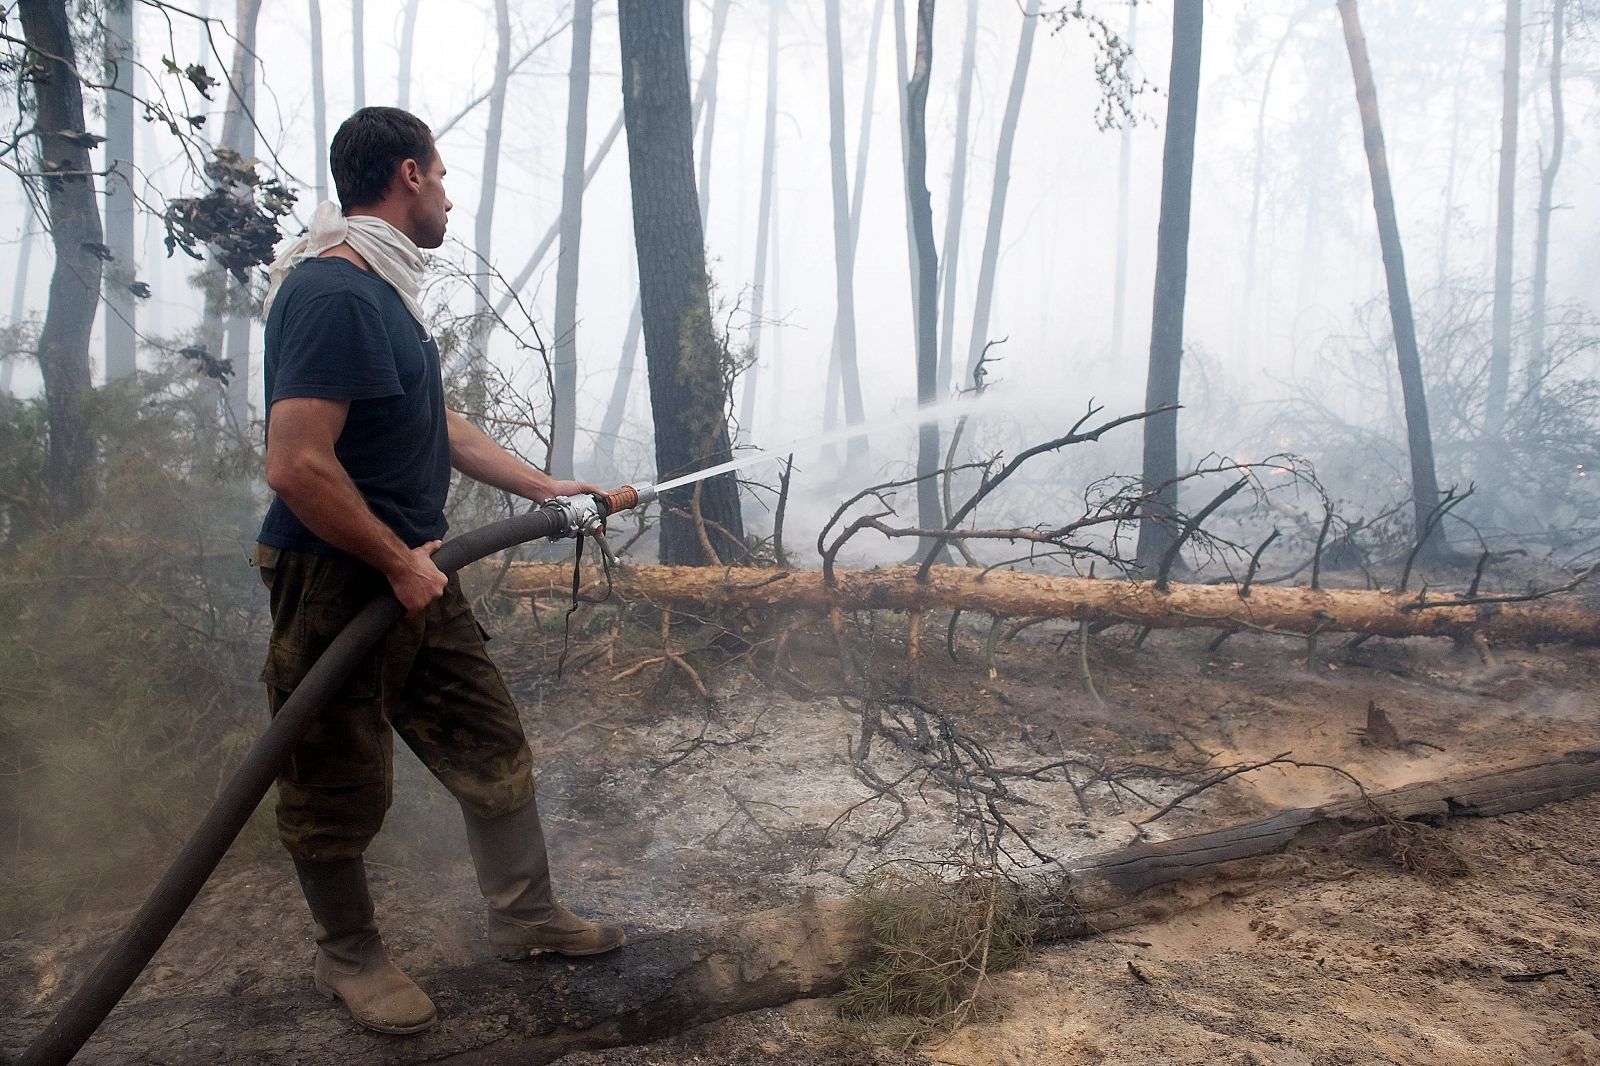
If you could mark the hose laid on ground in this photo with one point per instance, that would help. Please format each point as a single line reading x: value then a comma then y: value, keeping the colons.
x: 81, y: 1016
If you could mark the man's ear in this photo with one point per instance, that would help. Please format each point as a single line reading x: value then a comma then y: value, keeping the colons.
x: 410, y: 175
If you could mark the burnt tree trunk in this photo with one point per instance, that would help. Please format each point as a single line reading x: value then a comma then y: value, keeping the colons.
x: 930, y: 512
x: 121, y: 329
x: 688, y: 372
x: 564, y: 424
x: 1419, y: 437
x: 1157, y: 526
x: 63, y: 350
x: 758, y: 288
x: 1537, y: 362
x: 1504, y: 240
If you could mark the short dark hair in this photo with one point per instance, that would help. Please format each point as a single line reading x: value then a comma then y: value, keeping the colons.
x: 369, y: 146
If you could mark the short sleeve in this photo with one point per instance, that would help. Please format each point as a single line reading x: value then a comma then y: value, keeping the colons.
x: 333, y: 346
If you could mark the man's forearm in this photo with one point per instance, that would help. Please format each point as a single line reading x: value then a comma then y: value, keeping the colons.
x: 477, y: 455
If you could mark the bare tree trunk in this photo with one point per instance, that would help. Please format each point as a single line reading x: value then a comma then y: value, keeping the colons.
x: 1246, y: 330
x: 1424, y: 481
x: 902, y: 68
x: 75, y: 279
x: 930, y: 513
x: 983, y: 299
x: 1537, y: 363
x: 483, y: 221
x: 121, y: 327
x: 958, y: 194
x: 239, y: 134
x: 1119, y: 285
x: 830, y: 411
x: 616, y: 408
x: 843, y: 250
x: 358, y: 50
x: 708, y: 94
x: 19, y: 295
x: 564, y: 418
x: 1504, y: 238
x: 1157, y: 528
x: 688, y: 379
x: 769, y: 155
x: 319, y: 109
x: 408, y: 39
x: 831, y: 397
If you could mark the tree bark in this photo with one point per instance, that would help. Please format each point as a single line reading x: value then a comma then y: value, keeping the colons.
x: 689, y: 385
x: 121, y: 313
x: 930, y: 512
x: 358, y: 51
x: 408, y: 39
x: 1419, y: 437
x: 1018, y: 594
x: 958, y: 195
x: 844, y: 324
x: 1119, y: 284
x: 1157, y: 526
x: 1537, y: 361
x: 983, y: 298
x: 75, y: 280
x: 758, y: 288
x: 1504, y: 238
x: 319, y: 109
x: 563, y: 429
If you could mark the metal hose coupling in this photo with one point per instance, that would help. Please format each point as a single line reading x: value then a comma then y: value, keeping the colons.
x: 584, y: 515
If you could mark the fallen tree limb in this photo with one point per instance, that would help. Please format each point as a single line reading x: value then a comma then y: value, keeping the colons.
x: 662, y: 983
x: 1291, y: 611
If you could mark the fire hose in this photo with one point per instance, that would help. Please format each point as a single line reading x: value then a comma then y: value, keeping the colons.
x: 565, y: 517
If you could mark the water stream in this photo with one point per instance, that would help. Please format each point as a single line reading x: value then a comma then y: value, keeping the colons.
x: 990, y: 402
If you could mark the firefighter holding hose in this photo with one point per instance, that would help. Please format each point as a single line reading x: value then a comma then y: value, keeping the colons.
x: 360, y: 447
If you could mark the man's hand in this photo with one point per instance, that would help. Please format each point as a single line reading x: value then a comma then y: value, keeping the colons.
x: 418, y: 582
x: 571, y: 488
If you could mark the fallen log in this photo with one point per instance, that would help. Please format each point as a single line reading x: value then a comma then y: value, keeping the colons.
x: 662, y: 983
x: 1017, y: 594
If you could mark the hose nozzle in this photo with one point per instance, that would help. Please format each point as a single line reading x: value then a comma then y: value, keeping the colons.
x: 626, y: 498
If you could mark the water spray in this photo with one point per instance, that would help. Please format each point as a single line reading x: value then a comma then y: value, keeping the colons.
x: 564, y: 517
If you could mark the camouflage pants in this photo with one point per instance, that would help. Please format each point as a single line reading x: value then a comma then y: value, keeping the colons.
x: 430, y: 680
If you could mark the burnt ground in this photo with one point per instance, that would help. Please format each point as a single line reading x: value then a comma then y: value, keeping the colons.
x: 670, y: 812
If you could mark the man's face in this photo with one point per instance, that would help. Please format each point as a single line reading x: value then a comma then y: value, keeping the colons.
x: 432, y: 207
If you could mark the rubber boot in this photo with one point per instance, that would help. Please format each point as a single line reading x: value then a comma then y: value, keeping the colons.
x: 352, y: 963
x: 514, y: 875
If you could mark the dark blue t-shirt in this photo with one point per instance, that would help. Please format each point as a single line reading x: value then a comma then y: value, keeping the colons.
x: 339, y: 332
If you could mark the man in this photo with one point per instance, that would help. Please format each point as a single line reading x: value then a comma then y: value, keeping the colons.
x: 359, y: 452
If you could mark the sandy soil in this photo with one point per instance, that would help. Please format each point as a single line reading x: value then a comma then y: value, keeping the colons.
x: 666, y: 810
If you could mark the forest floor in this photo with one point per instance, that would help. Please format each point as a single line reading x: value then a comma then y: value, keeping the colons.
x: 666, y: 810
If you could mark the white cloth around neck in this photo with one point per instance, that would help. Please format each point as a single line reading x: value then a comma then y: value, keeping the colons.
x: 392, y: 255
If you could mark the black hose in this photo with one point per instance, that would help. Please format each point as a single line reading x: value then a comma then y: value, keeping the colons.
x: 81, y: 1016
